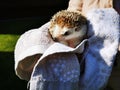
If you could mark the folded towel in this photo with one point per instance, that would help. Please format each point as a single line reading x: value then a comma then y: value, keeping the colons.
x: 103, y: 33
x: 58, y: 68
x: 31, y: 43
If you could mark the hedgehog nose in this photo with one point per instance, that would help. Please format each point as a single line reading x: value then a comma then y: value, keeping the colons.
x: 55, y: 39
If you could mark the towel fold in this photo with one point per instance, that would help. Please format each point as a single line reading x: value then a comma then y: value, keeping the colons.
x: 31, y: 43
x: 58, y: 68
x: 103, y: 33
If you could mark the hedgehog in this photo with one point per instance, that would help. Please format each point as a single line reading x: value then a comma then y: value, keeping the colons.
x: 68, y: 27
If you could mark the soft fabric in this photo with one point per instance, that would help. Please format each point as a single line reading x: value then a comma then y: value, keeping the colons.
x: 104, y: 29
x: 32, y: 42
x: 103, y: 41
x: 58, y: 68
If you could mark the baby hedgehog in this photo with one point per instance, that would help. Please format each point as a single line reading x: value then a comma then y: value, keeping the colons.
x: 68, y: 27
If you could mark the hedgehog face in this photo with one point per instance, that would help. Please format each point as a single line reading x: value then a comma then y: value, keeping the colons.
x: 68, y: 28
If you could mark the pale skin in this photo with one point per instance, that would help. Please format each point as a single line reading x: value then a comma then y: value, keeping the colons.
x: 86, y: 5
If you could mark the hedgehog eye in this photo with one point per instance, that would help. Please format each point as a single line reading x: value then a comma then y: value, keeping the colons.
x: 66, y: 33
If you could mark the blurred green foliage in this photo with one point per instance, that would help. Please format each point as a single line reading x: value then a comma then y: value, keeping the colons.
x: 7, y: 42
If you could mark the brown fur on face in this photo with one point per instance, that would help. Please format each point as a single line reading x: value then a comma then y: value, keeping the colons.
x: 68, y: 27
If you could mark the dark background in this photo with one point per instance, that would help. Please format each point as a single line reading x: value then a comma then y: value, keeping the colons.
x: 16, y: 17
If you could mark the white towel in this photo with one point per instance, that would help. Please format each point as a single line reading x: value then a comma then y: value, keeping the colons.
x: 58, y: 68
x: 32, y: 42
x: 104, y: 30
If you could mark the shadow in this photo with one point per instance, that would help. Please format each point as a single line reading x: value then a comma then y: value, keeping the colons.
x: 113, y: 79
x: 31, y: 8
x: 19, y: 16
x: 9, y: 81
x: 20, y: 25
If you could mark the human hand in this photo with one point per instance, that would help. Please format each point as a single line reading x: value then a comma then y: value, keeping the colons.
x: 75, y: 5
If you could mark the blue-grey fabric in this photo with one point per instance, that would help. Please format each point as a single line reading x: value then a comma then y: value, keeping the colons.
x: 58, y: 67
x: 61, y: 70
x: 103, y: 33
x: 56, y: 72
